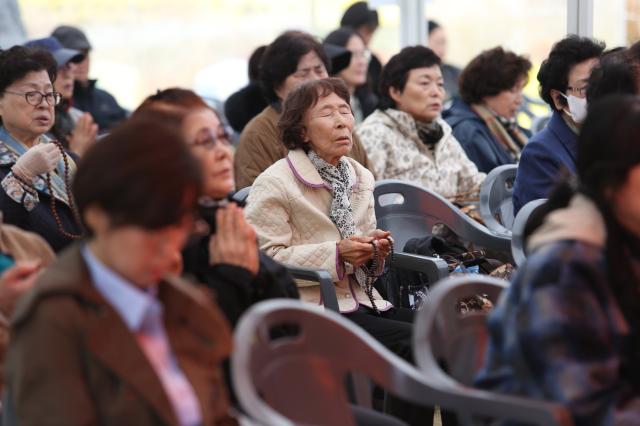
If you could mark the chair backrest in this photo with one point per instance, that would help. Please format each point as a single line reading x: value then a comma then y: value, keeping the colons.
x: 242, y: 194
x: 300, y: 378
x: 518, y: 248
x: 444, y: 338
x: 457, y: 340
x: 496, y: 199
x: 410, y: 211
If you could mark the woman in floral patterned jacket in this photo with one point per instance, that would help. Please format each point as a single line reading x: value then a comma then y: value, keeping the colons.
x: 406, y: 139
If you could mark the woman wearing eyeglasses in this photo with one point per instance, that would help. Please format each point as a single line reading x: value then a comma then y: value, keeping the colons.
x: 354, y: 74
x: 34, y: 172
x: 226, y: 258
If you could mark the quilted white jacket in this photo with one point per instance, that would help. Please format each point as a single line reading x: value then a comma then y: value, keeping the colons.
x: 396, y: 152
x: 289, y: 207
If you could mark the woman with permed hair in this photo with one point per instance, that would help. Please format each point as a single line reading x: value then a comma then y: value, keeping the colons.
x: 484, y: 120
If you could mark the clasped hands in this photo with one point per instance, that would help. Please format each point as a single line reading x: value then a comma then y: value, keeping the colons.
x: 358, y: 250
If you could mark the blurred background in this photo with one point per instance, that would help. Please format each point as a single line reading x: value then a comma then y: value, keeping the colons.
x: 140, y: 46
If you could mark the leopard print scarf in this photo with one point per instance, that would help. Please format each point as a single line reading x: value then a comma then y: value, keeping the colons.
x: 341, y: 213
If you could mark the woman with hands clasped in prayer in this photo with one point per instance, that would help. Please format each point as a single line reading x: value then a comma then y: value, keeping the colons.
x: 315, y: 209
x: 225, y: 256
x: 34, y: 172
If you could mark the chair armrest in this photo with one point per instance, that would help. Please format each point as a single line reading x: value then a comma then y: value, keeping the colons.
x: 433, y: 267
x: 327, y: 288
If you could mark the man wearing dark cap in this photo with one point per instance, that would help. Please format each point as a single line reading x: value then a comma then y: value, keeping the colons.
x: 73, y: 128
x: 86, y: 96
x: 365, y: 22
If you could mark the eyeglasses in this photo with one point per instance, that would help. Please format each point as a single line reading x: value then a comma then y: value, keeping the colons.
x: 582, y: 91
x: 208, y: 139
x: 35, y: 98
x: 363, y: 53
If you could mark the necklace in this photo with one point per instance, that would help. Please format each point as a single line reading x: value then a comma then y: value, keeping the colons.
x: 54, y: 210
x: 371, y: 273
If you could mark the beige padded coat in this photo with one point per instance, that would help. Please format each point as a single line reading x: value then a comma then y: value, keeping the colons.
x: 289, y: 207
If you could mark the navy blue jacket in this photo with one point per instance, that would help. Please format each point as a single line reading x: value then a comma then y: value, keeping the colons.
x: 543, y: 159
x: 476, y: 138
x: 102, y: 106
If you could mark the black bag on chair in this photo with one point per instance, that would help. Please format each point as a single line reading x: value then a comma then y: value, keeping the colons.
x: 413, y: 287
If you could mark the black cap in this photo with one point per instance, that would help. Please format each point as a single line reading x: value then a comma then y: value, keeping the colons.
x: 72, y: 37
x: 339, y: 57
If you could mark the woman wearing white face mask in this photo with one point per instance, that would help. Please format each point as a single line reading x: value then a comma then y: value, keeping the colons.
x: 564, y: 78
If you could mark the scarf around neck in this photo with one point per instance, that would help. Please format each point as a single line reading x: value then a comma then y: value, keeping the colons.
x: 337, y: 177
x: 506, y: 133
x: 57, y: 181
x: 429, y: 133
x: 341, y: 213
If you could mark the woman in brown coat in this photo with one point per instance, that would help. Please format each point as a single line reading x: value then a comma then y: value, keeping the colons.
x: 108, y: 335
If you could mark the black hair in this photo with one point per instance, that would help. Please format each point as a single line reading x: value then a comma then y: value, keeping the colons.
x: 157, y: 180
x: 396, y: 72
x: 432, y: 25
x: 358, y: 15
x: 617, y: 73
x: 18, y: 61
x: 254, y: 63
x: 340, y: 37
x: 281, y: 58
x: 565, y: 54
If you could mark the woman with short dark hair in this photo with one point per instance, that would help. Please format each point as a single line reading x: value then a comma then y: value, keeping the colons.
x: 563, y: 79
x: 109, y: 335
x: 292, y: 59
x: 35, y: 172
x: 484, y: 120
x: 567, y: 328
x: 407, y: 139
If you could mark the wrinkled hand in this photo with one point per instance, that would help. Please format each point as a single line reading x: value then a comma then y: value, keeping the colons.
x: 381, y: 241
x: 40, y: 159
x: 83, y: 135
x: 234, y: 242
x: 15, y: 281
x: 356, y: 250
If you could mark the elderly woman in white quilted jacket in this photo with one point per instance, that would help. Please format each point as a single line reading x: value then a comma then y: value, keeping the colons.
x: 314, y: 209
x: 407, y: 139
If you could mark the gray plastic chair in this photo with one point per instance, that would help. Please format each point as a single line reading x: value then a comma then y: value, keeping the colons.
x: 410, y: 211
x: 432, y: 268
x: 518, y: 249
x: 496, y: 199
x: 322, y: 277
x: 444, y: 338
x: 242, y: 194
x: 301, y: 379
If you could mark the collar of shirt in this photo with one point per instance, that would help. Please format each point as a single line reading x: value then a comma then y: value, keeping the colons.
x: 132, y: 303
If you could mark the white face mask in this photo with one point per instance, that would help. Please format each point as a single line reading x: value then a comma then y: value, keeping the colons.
x: 577, y: 108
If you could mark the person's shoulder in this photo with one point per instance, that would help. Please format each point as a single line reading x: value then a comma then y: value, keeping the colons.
x: 564, y: 263
x: 262, y: 126
x: 364, y: 177
x: 278, y: 173
x: 378, y: 123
